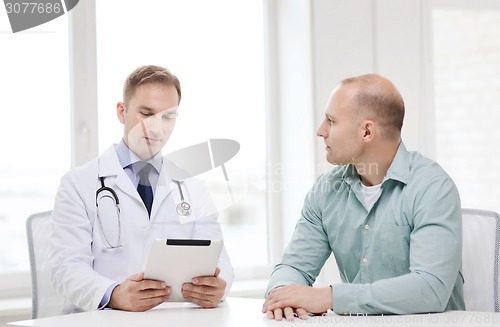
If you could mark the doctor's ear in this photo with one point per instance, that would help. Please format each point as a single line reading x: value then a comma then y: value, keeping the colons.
x: 120, y: 112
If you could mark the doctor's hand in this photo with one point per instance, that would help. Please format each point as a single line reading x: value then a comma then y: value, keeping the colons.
x: 205, y: 291
x: 138, y: 294
x: 297, y: 300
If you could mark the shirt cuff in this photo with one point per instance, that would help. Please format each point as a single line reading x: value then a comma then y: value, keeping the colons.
x: 107, y: 296
x: 346, y: 298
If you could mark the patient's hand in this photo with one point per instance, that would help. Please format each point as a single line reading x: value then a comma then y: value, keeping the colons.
x: 297, y: 300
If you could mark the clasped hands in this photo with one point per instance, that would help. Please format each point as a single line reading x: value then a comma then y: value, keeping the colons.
x: 297, y: 301
x: 139, y: 294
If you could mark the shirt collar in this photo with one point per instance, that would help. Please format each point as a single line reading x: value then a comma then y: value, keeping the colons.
x: 400, y: 166
x: 127, y: 157
x: 399, y: 169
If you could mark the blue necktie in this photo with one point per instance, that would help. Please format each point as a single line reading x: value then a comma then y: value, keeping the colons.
x: 144, y: 187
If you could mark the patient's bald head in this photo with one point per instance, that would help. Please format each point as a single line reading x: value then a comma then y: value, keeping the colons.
x: 376, y: 98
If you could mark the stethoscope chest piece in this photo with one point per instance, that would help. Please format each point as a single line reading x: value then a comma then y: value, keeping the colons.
x: 183, y: 208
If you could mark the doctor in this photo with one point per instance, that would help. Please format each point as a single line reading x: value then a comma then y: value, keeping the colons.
x: 101, y: 239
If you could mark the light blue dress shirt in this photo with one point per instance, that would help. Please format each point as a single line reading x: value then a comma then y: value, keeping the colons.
x: 402, y: 256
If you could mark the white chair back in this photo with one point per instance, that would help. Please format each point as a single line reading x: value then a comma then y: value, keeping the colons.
x: 45, y: 300
x: 481, y: 260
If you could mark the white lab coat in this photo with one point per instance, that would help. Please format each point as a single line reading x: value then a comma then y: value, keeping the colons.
x: 82, y: 266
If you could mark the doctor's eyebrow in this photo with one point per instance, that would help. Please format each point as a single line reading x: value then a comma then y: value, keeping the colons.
x: 171, y: 110
x: 146, y: 108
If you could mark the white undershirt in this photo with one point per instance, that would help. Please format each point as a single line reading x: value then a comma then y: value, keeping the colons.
x: 370, y: 194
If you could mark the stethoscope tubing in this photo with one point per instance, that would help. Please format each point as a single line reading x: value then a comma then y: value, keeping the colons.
x: 183, y: 208
x: 117, y: 205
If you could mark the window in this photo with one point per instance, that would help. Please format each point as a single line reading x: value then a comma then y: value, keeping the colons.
x: 218, y: 58
x: 35, y: 133
x: 467, y: 99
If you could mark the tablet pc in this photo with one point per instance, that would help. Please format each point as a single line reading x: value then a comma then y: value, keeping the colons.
x: 178, y: 261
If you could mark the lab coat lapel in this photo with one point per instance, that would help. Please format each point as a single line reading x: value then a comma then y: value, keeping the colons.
x: 163, y: 189
x: 109, y: 166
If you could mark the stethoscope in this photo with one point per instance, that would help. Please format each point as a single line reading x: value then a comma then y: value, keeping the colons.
x: 183, y: 208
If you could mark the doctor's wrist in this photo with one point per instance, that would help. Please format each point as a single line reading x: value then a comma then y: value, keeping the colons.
x: 107, y: 297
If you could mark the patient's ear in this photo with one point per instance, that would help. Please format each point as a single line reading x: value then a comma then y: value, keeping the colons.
x: 368, y: 130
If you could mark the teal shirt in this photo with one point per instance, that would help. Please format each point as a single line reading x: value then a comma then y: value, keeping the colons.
x: 402, y: 256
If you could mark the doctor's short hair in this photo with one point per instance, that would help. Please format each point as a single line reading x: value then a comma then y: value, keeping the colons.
x: 149, y: 74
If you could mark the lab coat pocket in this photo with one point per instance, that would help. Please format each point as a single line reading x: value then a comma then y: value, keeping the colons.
x: 395, y: 247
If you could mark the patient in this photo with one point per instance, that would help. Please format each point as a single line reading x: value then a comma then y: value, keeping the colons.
x: 391, y: 217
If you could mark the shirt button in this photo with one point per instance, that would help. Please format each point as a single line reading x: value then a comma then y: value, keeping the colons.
x: 367, y: 226
x: 365, y: 260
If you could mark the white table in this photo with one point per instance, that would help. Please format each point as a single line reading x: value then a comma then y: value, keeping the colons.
x: 246, y: 312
